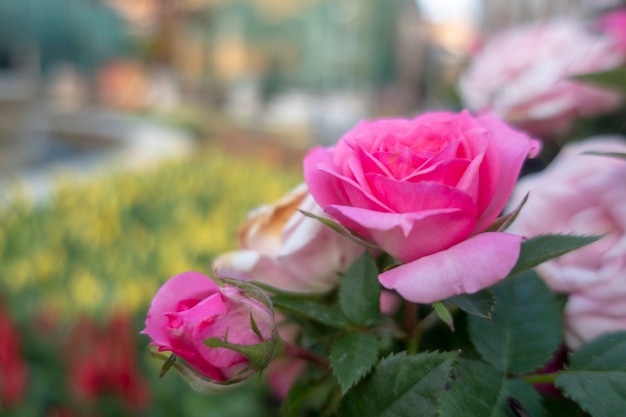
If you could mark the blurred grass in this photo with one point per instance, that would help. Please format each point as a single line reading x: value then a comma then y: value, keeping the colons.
x: 108, y: 245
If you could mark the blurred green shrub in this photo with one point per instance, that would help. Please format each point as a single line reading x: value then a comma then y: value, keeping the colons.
x: 109, y: 244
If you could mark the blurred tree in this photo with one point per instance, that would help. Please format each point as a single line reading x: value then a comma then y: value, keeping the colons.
x: 78, y: 32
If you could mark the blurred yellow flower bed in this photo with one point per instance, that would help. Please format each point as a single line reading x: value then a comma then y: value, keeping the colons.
x: 109, y: 244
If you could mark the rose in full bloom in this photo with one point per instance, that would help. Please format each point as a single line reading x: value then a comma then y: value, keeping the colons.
x: 584, y: 195
x: 425, y: 190
x: 282, y: 247
x: 191, y: 309
x: 522, y: 76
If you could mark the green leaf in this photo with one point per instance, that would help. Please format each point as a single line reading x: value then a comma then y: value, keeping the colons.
x: 478, y: 389
x: 525, y: 327
x: 562, y: 407
x: 542, y: 248
x: 444, y: 314
x: 352, y: 356
x: 312, y: 309
x: 596, y: 376
x: 401, y: 386
x: 614, y: 79
x: 359, y: 291
x: 306, y: 395
x: 479, y: 304
x: 341, y: 230
x: 618, y: 155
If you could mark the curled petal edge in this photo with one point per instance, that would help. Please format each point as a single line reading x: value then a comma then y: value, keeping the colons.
x: 465, y: 268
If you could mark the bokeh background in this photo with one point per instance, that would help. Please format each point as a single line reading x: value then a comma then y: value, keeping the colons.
x: 135, y: 135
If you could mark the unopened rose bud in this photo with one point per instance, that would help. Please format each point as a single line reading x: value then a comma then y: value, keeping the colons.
x: 224, y: 333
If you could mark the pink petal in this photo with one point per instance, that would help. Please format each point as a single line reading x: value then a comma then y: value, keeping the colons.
x: 500, y: 173
x: 408, y: 236
x: 409, y: 197
x: 465, y: 268
x: 187, y: 286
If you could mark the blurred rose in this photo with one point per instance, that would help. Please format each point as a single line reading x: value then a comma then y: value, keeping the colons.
x: 614, y: 24
x: 583, y: 195
x: 283, y: 372
x: 283, y: 248
x: 522, y: 76
x: 190, y: 309
x: 115, y: 373
x: 13, y: 372
x: 424, y: 190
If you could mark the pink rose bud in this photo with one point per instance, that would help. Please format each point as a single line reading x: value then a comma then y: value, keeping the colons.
x: 224, y: 333
x: 283, y: 248
x: 425, y: 190
x: 583, y: 195
x: 523, y: 76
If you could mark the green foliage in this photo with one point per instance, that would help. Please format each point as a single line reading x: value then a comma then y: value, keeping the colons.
x: 479, y: 304
x: 596, y: 376
x: 401, y: 386
x: 615, y: 79
x: 109, y: 244
x: 352, y: 355
x: 540, y: 249
x: 360, y: 279
x: 478, y: 389
x: 312, y: 309
x: 525, y: 327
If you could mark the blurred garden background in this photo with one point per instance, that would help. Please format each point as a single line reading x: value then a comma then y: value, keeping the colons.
x: 135, y: 135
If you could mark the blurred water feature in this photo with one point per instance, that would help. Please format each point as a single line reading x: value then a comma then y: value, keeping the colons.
x: 40, y: 142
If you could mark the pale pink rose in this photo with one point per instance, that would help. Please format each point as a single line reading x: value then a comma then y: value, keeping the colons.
x: 283, y: 248
x: 424, y: 190
x: 522, y: 76
x: 583, y: 195
x: 191, y: 308
x: 614, y: 24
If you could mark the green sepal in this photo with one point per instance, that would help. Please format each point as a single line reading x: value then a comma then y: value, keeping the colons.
x: 503, y: 222
x: 341, y: 230
x: 259, y: 354
x: 196, y: 381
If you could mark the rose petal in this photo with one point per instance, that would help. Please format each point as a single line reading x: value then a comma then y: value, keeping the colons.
x: 182, y: 287
x: 465, y: 268
x: 403, y: 235
x: 499, y: 173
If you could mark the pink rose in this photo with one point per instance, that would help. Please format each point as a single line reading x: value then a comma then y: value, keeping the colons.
x: 190, y: 309
x: 584, y: 195
x: 522, y: 76
x: 282, y: 247
x: 424, y: 190
x: 614, y: 24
